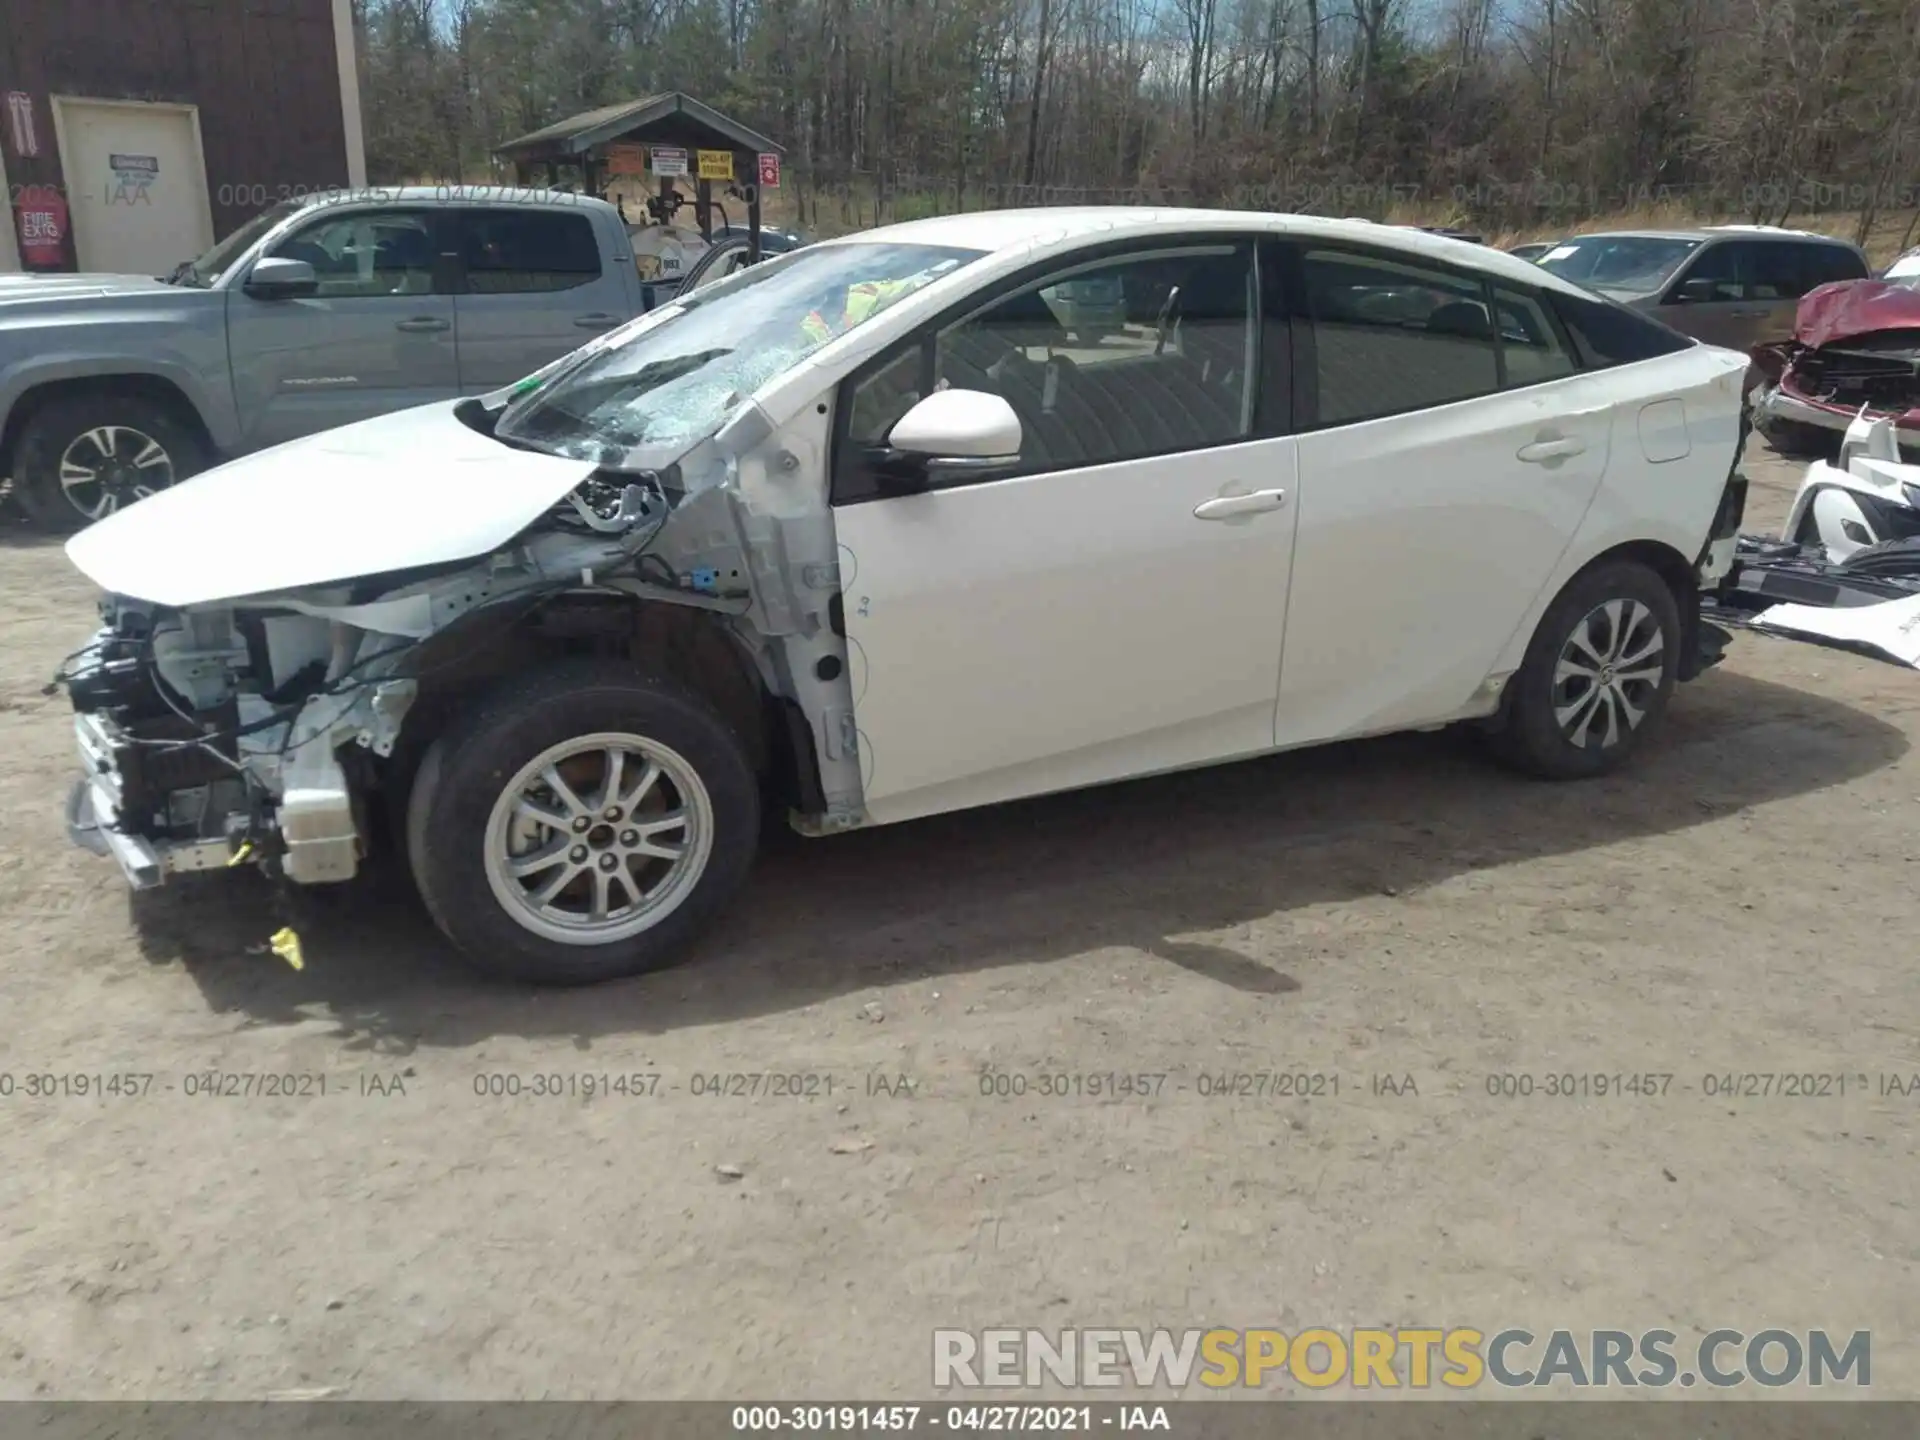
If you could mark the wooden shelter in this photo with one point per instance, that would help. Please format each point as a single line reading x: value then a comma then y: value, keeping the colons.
x: 671, y: 139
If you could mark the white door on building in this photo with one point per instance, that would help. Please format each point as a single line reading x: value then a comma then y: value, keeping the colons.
x: 9, y: 248
x: 136, y: 184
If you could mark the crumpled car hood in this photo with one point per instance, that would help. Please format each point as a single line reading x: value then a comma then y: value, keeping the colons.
x: 1847, y: 308
x: 403, y: 490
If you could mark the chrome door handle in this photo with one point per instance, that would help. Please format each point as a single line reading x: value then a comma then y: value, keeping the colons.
x: 596, y: 322
x: 1749, y: 314
x: 1225, y: 507
x: 424, y: 325
x: 1546, y: 452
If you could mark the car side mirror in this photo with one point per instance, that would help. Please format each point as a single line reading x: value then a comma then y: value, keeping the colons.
x: 278, y: 278
x: 1694, y: 292
x: 950, y: 435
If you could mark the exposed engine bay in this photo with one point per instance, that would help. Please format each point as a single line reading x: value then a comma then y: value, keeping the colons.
x: 256, y: 730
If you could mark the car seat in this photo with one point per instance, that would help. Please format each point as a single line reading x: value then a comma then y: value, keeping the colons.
x: 1464, y: 319
x: 403, y: 262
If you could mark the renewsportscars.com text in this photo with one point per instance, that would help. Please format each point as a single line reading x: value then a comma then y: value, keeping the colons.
x: 1457, y: 1358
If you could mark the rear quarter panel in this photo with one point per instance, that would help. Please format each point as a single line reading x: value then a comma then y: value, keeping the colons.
x: 1645, y: 496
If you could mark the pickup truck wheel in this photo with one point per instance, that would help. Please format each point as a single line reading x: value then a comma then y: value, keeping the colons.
x: 582, y: 823
x: 1597, y: 675
x: 81, y: 457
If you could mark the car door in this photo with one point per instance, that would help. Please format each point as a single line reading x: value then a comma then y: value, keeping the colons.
x: 1446, y: 461
x: 726, y: 257
x: 1114, y: 604
x: 536, y: 288
x: 1779, y: 272
x: 1713, y: 298
x: 376, y: 336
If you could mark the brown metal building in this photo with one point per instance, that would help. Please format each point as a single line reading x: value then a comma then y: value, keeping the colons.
x: 134, y: 133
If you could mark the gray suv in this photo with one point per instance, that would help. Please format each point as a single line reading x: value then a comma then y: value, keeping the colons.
x: 315, y: 313
x: 1731, y: 285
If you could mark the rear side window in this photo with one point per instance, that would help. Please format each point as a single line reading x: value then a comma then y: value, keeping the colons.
x: 516, y: 252
x: 1776, y: 272
x: 1824, y: 264
x: 1607, y: 334
x: 1531, y: 349
x: 1391, y: 336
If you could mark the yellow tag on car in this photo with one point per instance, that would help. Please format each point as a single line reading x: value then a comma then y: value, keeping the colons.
x: 286, y: 945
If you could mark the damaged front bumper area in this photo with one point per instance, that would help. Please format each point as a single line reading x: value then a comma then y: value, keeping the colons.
x: 256, y: 732
x: 194, y: 758
x: 1829, y: 386
x: 266, y: 730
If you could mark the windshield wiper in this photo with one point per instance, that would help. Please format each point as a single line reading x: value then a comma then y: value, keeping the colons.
x: 183, y: 274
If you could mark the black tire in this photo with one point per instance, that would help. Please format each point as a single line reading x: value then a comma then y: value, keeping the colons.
x: 1533, y: 738
x: 468, y: 769
x: 66, y: 420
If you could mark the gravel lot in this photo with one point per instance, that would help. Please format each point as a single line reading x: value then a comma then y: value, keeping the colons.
x: 1742, y: 900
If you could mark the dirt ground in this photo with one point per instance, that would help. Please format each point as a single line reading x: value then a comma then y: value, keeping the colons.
x: 1743, y: 899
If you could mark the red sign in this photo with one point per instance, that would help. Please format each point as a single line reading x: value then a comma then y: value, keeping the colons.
x: 770, y: 171
x: 42, y: 225
x: 26, y: 140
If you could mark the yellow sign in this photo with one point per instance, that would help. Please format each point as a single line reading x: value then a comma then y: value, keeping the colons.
x: 715, y: 164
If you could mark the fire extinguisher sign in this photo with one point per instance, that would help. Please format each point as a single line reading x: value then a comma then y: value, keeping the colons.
x: 42, y: 223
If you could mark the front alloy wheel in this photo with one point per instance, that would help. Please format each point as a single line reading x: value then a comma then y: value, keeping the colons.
x: 582, y: 821
x: 598, y: 838
x: 110, y: 466
x: 86, y: 453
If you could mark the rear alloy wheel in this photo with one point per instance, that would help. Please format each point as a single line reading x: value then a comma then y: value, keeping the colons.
x: 581, y: 823
x: 1608, y: 674
x: 1597, y: 676
x: 83, y: 457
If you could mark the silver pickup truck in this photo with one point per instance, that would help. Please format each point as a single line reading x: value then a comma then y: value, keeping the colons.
x: 315, y: 313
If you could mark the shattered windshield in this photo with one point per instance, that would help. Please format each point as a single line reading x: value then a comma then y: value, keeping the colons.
x: 673, y: 383
x: 1639, y: 264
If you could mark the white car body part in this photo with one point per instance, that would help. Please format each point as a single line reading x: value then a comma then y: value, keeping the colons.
x: 1003, y: 637
x: 397, y: 492
x: 1891, y: 627
x: 1836, y: 504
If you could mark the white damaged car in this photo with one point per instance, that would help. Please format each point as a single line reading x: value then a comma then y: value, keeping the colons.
x: 873, y: 530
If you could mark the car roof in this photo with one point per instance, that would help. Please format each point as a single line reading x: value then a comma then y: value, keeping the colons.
x: 1048, y: 229
x: 1702, y: 233
x: 457, y: 195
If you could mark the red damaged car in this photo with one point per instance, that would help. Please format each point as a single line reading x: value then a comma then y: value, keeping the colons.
x: 1856, y: 343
